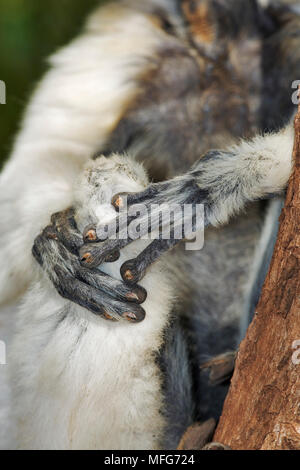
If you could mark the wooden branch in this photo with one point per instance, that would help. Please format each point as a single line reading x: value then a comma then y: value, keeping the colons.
x: 262, y: 408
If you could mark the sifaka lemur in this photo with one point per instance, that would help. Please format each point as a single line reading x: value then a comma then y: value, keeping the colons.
x: 166, y: 82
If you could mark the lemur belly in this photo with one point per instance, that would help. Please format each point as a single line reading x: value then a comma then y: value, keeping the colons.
x: 87, y: 383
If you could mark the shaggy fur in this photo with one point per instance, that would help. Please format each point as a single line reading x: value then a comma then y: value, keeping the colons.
x: 146, y: 79
x: 87, y: 371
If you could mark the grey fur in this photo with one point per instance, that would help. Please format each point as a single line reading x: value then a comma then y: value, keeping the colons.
x: 178, y: 387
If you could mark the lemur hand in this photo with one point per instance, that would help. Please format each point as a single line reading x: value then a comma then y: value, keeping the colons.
x: 56, y: 249
x: 142, y: 210
x: 222, y: 182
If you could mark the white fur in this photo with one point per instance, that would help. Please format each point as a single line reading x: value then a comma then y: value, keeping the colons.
x: 84, y: 382
x: 72, y: 112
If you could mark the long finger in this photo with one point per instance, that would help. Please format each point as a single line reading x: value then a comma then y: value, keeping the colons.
x: 132, y: 271
x: 67, y: 231
x: 118, y: 200
x: 110, y: 286
x: 95, y: 301
x: 94, y: 254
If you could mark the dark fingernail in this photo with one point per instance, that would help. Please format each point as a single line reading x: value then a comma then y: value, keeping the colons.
x: 118, y: 202
x: 132, y: 296
x: 108, y: 316
x: 112, y: 257
x: 52, y: 236
x: 128, y: 275
x: 90, y: 234
x: 136, y: 316
x: 130, y: 316
x: 139, y: 295
x: 87, y: 258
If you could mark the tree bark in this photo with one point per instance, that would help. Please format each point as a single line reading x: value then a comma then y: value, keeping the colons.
x: 262, y: 408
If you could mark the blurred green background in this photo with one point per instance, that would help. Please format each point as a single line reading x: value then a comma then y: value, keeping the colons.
x: 30, y: 30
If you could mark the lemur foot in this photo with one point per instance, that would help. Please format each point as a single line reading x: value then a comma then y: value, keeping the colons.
x: 56, y: 249
x: 197, y: 435
x: 221, y: 367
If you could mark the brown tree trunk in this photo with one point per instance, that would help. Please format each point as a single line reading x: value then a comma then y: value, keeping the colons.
x: 262, y: 408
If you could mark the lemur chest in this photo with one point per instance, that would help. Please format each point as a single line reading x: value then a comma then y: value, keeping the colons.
x: 191, y: 100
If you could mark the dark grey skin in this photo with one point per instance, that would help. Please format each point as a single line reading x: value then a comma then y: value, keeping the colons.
x: 90, y: 288
x: 192, y: 103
